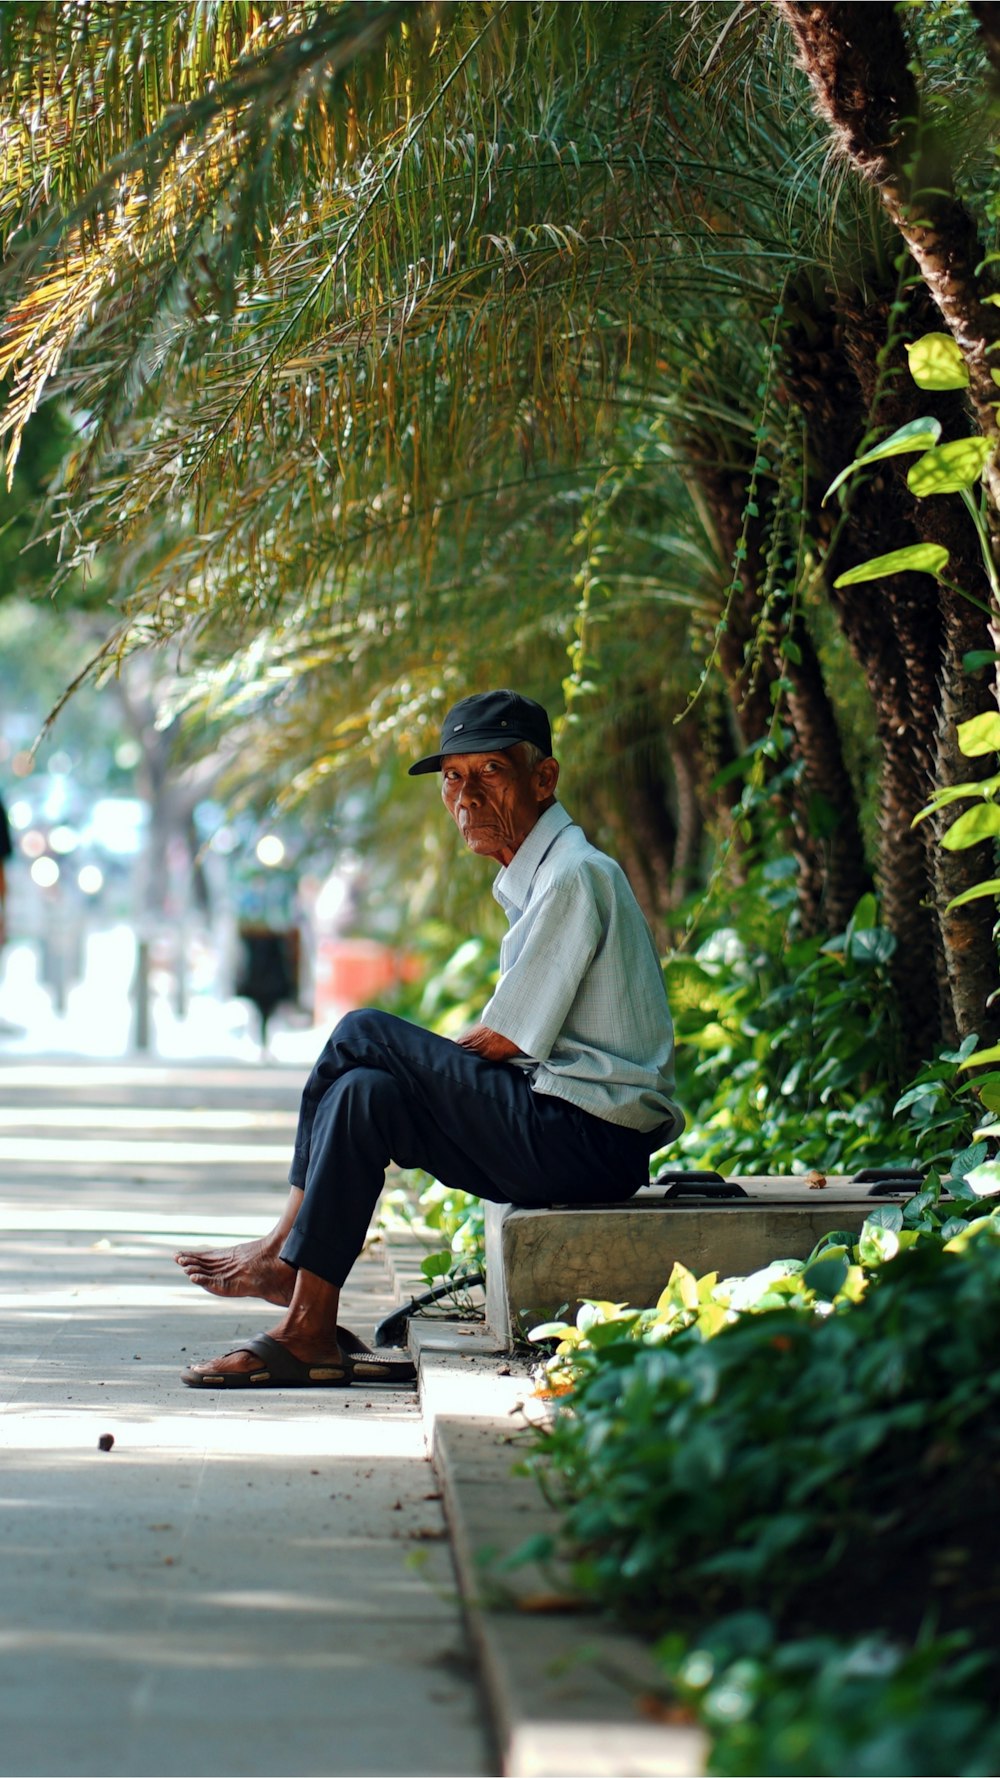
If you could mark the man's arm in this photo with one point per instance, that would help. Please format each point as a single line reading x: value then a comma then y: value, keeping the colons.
x: 490, y: 1044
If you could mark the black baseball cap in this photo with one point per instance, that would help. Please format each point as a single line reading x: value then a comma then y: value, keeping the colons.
x: 489, y: 722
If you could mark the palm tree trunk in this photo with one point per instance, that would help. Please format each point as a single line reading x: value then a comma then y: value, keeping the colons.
x: 894, y: 631
x: 857, y: 61
x: 966, y: 951
x: 827, y: 801
x: 969, y: 945
x: 828, y: 847
x: 684, y: 758
x: 970, y: 948
x: 640, y: 810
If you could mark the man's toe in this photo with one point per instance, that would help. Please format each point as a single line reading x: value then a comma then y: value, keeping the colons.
x: 228, y: 1365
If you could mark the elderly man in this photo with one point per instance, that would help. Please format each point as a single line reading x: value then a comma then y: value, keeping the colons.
x: 559, y: 1095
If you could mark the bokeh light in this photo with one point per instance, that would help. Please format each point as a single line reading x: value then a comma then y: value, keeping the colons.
x: 270, y: 850
x: 45, y: 873
x: 64, y: 838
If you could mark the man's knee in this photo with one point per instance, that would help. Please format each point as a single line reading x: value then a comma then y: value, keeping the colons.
x: 364, y: 1025
x: 366, y: 1039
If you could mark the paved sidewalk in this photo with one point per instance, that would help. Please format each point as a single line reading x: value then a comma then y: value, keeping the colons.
x: 231, y: 1588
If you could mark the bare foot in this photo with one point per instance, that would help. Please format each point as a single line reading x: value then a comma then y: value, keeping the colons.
x: 306, y: 1350
x: 309, y: 1330
x: 252, y: 1268
x: 309, y: 1351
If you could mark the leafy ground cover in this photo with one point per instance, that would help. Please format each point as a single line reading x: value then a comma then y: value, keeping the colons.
x: 788, y: 1482
x: 789, y: 1051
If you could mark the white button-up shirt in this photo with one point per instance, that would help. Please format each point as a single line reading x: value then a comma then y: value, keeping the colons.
x: 581, y: 989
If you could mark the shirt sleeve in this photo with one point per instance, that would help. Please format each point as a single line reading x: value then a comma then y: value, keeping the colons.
x: 532, y: 999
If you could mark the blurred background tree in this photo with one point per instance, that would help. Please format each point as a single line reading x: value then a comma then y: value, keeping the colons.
x: 408, y: 349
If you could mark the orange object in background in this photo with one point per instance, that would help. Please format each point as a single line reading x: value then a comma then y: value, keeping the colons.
x: 351, y: 972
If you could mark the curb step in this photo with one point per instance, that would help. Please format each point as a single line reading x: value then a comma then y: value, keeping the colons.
x: 566, y: 1690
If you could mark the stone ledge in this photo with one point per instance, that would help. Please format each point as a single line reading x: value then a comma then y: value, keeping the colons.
x: 543, y: 1263
x: 565, y: 1689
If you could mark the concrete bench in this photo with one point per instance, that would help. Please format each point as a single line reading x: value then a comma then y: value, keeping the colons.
x: 541, y: 1263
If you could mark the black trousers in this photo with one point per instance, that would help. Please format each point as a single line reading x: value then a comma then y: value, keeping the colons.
x: 385, y: 1090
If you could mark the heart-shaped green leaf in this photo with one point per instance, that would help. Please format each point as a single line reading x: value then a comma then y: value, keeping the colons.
x: 981, y: 823
x: 826, y: 1277
x: 949, y: 467
x: 981, y: 734
x: 916, y: 435
x: 976, y: 893
x: 985, y: 1180
x: 917, y: 558
x: 936, y: 362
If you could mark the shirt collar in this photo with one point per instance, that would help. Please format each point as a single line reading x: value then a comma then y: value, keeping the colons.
x: 513, y: 881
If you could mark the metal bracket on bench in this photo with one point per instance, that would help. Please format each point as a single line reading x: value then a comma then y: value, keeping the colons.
x: 698, y: 1185
x: 884, y: 1181
x: 392, y: 1330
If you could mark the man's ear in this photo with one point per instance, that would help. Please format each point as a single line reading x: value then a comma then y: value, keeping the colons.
x: 546, y: 778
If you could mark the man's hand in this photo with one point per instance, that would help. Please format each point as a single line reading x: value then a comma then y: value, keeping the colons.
x: 484, y: 1042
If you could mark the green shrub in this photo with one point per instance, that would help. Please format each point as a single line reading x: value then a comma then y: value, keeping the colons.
x: 816, y: 1457
x: 825, y: 1704
x: 788, y: 1050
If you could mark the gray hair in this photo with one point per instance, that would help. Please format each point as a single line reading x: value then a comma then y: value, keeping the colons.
x: 529, y: 753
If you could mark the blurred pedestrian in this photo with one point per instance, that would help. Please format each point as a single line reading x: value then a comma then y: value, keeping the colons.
x: 6, y: 850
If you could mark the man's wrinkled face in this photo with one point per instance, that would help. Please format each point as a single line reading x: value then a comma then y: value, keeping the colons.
x: 495, y: 799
